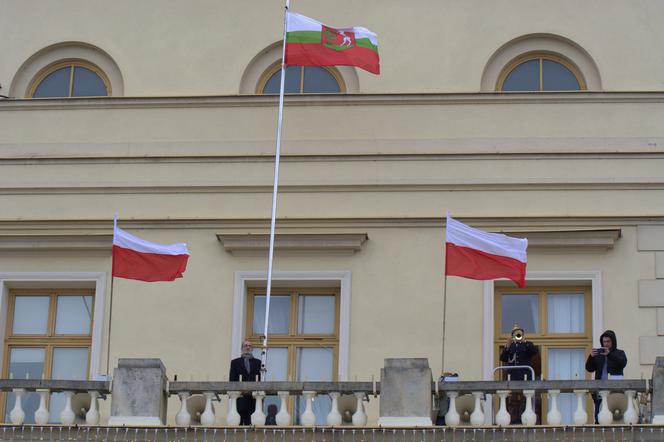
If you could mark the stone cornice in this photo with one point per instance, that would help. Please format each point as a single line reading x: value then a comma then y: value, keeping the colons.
x: 570, y: 239
x: 309, y: 243
x: 476, y: 98
x: 56, y: 243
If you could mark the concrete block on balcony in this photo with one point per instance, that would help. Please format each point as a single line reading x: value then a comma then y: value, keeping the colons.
x: 659, y: 265
x: 651, y: 293
x: 138, y: 395
x: 405, y: 393
x: 650, y: 238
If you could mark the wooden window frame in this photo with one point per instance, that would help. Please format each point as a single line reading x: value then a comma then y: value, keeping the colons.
x: 543, y: 339
x: 71, y: 63
x: 541, y: 56
x: 50, y: 339
x: 276, y: 66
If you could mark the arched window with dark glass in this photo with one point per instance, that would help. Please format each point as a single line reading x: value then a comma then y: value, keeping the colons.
x: 540, y: 72
x: 302, y: 80
x: 72, y: 78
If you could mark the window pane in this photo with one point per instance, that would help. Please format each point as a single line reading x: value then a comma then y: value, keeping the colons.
x: 25, y: 363
x: 566, y: 363
x: 31, y: 315
x: 279, y: 314
x: 56, y: 84
x: 557, y: 77
x: 87, y: 84
x: 292, y: 85
x: 316, y: 314
x: 565, y: 313
x: 315, y: 364
x: 71, y: 364
x: 319, y: 80
x: 524, y: 77
x: 276, y: 363
x: 522, y: 310
x: 74, y: 314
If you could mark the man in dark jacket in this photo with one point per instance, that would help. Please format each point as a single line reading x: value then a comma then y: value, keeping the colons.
x: 606, y: 360
x: 518, y: 351
x: 249, y: 368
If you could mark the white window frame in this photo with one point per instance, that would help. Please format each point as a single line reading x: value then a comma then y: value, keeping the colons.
x: 10, y: 280
x: 243, y: 279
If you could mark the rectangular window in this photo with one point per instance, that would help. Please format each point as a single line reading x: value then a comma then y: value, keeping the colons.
x: 558, y: 321
x: 303, y: 339
x: 49, y: 335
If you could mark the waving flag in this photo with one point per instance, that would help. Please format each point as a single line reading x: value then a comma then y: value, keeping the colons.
x: 311, y: 43
x: 136, y: 258
x: 475, y: 254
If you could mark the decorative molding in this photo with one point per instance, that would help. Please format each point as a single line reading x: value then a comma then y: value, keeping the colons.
x: 294, y: 243
x: 230, y: 101
x: 60, y: 243
x: 342, y: 278
x: 571, y: 239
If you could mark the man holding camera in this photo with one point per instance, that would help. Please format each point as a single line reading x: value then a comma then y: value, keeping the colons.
x: 606, y: 361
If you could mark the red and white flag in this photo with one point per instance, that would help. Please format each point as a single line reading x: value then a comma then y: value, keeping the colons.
x: 475, y: 254
x: 136, y: 258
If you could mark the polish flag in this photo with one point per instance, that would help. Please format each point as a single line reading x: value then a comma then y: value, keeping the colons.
x: 136, y: 258
x: 474, y: 254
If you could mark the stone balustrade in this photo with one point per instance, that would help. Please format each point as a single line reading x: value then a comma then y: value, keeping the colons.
x: 91, y: 390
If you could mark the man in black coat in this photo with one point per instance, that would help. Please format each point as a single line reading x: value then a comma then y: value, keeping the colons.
x: 606, y: 360
x: 518, y: 351
x: 249, y: 368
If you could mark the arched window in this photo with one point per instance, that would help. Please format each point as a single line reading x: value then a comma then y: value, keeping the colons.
x: 70, y: 78
x: 302, y: 80
x: 540, y: 72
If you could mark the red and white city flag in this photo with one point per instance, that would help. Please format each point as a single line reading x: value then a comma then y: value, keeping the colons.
x: 136, y: 258
x: 311, y: 43
x: 475, y: 254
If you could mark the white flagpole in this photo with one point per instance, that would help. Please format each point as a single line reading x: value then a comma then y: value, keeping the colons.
x: 275, y: 190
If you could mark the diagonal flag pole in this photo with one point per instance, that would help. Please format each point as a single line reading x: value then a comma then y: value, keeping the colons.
x: 275, y: 190
x: 110, y: 308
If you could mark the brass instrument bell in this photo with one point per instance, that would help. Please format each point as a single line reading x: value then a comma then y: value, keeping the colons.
x: 517, y: 333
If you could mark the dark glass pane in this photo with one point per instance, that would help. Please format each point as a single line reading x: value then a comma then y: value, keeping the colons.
x: 524, y: 77
x: 319, y: 80
x: 557, y: 77
x: 56, y: 84
x: 292, y: 85
x: 87, y: 84
x: 522, y: 310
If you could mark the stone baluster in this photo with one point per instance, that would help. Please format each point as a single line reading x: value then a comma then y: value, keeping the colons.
x: 528, y: 417
x: 41, y: 414
x: 283, y: 417
x: 477, y: 416
x: 630, y: 417
x: 207, y: 417
x: 452, y: 418
x: 308, y: 418
x: 17, y: 415
x: 233, y: 417
x: 604, y: 417
x: 359, y: 417
x: 502, y: 416
x: 258, y: 417
x: 183, y: 418
x: 334, y: 417
x: 67, y: 415
x: 92, y: 416
x: 580, y: 415
x: 554, y: 417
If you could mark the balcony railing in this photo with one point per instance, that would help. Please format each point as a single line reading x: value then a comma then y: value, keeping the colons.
x: 475, y: 416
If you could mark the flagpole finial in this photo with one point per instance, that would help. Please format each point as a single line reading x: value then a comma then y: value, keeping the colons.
x: 115, y: 219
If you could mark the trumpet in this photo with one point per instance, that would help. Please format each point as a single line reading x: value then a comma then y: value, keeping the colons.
x: 517, y: 333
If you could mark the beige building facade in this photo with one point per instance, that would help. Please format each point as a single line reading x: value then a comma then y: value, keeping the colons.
x: 182, y: 148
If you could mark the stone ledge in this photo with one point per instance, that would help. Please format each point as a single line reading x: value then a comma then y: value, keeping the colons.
x: 293, y: 243
x: 565, y: 239
x: 60, y: 243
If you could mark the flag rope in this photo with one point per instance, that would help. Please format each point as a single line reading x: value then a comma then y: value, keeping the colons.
x: 275, y: 190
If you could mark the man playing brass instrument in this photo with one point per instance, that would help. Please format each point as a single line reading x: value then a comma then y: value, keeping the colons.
x: 518, y: 351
